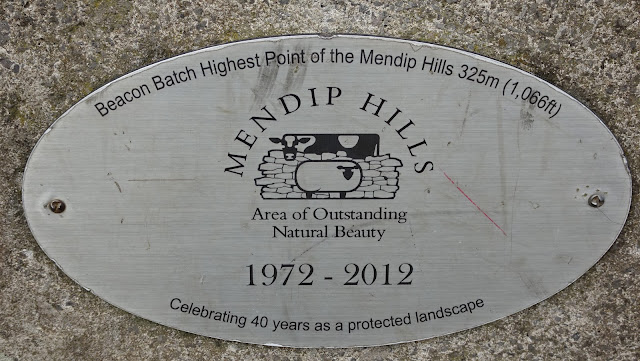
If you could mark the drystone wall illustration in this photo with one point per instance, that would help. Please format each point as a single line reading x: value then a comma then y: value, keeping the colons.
x: 379, y: 176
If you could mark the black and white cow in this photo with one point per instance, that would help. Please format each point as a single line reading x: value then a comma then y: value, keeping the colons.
x: 356, y: 146
x: 290, y: 144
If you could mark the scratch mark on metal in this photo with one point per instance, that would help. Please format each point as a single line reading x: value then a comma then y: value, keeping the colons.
x: 309, y: 249
x: 466, y: 114
x: 474, y: 203
x: 610, y: 220
x: 411, y: 229
x: 162, y: 180
x: 118, y: 185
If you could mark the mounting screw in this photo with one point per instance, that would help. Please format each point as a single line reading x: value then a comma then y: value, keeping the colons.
x: 57, y: 206
x: 596, y: 200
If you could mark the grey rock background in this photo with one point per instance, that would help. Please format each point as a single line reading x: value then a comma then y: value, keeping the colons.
x: 53, y: 53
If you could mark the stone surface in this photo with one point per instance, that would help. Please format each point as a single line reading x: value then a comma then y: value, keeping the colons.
x: 53, y: 53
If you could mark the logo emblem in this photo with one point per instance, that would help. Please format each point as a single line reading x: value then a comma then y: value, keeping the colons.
x: 328, y: 166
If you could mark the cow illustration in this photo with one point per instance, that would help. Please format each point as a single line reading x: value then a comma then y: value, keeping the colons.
x: 290, y: 144
x: 356, y: 146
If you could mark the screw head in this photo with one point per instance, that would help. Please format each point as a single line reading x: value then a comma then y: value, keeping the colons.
x: 596, y: 200
x: 57, y: 206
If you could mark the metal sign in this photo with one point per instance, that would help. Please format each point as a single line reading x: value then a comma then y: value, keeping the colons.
x: 326, y: 192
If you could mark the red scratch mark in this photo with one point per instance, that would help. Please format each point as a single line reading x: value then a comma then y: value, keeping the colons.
x: 474, y: 203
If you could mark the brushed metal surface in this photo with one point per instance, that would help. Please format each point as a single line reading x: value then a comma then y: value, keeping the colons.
x: 181, y: 201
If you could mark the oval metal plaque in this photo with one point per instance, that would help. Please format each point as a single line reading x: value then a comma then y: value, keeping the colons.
x: 308, y: 191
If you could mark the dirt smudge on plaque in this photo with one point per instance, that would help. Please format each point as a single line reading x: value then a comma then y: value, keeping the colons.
x: 535, y: 286
x: 267, y: 76
x: 513, y: 215
x: 502, y: 162
x: 296, y: 73
x: 527, y: 118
